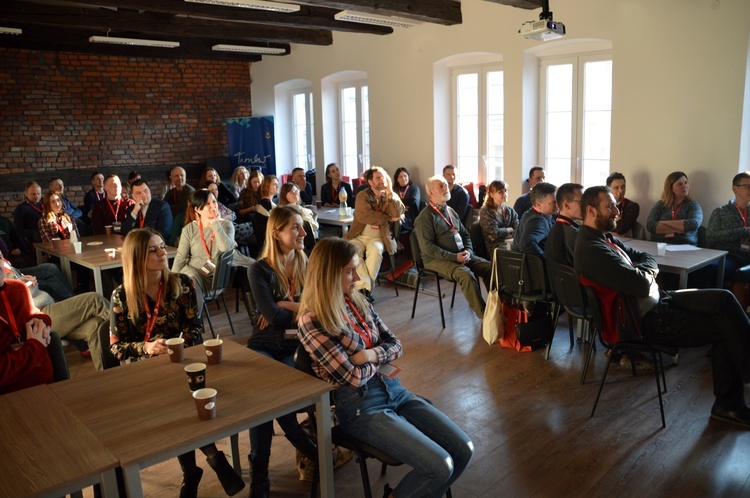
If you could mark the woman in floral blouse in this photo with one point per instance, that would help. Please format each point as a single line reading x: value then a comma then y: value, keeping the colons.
x: 152, y: 305
x: 55, y: 222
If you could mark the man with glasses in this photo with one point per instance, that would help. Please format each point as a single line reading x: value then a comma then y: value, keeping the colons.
x: 536, y: 223
x: 561, y: 241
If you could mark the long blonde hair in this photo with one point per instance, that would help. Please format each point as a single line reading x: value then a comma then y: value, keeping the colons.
x: 280, y: 217
x: 134, y: 254
x: 323, y: 294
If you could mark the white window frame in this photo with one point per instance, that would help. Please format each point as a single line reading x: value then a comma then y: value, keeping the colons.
x: 466, y: 173
x: 362, y: 131
x: 309, y: 161
x: 577, y: 133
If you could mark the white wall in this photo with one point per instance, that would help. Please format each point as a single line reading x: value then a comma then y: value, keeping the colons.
x: 678, y: 87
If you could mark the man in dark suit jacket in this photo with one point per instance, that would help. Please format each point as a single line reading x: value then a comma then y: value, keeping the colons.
x: 561, y: 241
x: 305, y: 189
x: 147, y: 211
x: 536, y: 223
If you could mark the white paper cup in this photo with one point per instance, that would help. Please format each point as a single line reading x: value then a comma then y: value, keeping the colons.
x: 661, y: 248
x: 78, y: 247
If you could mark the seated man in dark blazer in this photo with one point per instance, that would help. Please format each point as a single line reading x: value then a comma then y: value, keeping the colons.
x: 305, y: 189
x: 531, y: 235
x: 561, y: 240
x: 147, y: 211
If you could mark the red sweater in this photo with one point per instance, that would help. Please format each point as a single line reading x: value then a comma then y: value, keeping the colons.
x: 30, y: 364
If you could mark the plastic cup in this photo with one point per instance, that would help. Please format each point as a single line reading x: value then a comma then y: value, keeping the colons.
x: 196, y: 376
x: 213, y: 350
x: 318, y: 204
x: 661, y: 248
x: 111, y: 252
x: 108, y: 229
x: 176, y: 349
x: 205, y: 403
x: 78, y: 247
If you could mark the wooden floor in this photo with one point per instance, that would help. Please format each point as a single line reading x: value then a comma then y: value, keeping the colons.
x: 528, y: 417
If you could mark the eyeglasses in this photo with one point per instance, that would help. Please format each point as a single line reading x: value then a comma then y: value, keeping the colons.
x: 743, y: 185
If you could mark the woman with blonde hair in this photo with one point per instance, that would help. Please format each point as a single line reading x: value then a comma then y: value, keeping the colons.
x: 204, y: 237
x: 55, y: 222
x: 497, y: 220
x: 352, y: 349
x: 250, y: 196
x: 238, y: 182
x: 152, y: 305
x: 290, y: 196
x: 676, y: 217
x: 276, y: 282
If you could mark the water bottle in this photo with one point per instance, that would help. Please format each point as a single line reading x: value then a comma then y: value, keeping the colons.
x: 342, y: 202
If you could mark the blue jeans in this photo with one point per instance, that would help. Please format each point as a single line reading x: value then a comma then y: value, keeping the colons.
x: 51, y: 280
x: 387, y: 416
x: 261, y: 435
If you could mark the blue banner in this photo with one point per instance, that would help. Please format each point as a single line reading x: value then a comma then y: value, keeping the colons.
x: 251, y: 143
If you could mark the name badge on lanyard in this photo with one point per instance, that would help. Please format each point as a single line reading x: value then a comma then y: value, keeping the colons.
x: 459, y: 241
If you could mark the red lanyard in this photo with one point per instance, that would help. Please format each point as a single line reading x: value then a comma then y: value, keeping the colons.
x: 503, y: 213
x: 361, y: 326
x: 622, y: 253
x: 103, y: 195
x: 151, y: 315
x: 623, y: 206
x: 743, y: 215
x: 564, y: 221
x: 402, y: 192
x: 334, y: 193
x: 448, y: 220
x: 11, y: 318
x: 60, y: 225
x: 676, y: 213
x: 206, y: 247
x: 291, y: 288
x: 37, y: 208
x: 114, y: 212
x: 174, y: 194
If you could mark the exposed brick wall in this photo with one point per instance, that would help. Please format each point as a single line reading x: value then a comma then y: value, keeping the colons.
x: 68, y: 114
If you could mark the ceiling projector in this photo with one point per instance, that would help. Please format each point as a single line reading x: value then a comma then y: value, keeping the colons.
x: 542, y: 30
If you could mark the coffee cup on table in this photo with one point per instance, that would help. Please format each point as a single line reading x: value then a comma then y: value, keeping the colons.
x: 108, y: 229
x: 196, y: 376
x: 205, y: 403
x: 56, y: 242
x: 176, y: 349
x: 78, y: 247
x: 213, y: 350
x: 318, y: 204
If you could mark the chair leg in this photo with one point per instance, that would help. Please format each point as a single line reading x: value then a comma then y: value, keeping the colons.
x: 226, y: 309
x: 589, y: 355
x: 604, y: 378
x: 393, y: 272
x: 383, y: 468
x: 362, y: 460
x: 208, y: 317
x: 234, y: 445
x: 658, y: 388
x: 440, y: 300
x: 453, y: 299
x: 416, y: 293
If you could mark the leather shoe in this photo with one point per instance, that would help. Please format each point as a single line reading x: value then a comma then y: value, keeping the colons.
x: 739, y: 416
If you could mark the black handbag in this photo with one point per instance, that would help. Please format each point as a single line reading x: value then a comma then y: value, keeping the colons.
x: 538, y: 330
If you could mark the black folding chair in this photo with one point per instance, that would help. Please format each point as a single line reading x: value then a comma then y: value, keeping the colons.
x: 416, y: 257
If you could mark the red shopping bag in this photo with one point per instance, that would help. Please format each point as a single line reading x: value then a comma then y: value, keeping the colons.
x: 509, y: 340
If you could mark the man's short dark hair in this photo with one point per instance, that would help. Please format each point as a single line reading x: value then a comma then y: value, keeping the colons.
x: 590, y: 197
x: 533, y: 169
x: 138, y: 183
x: 567, y: 192
x: 297, y: 169
x: 739, y: 177
x: 95, y: 173
x: 448, y: 166
x: 540, y: 191
x: 132, y: 176
x: 615, y: 176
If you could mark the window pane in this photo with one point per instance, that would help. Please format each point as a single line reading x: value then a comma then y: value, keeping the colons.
x: 365, y: 128
x: 349, y: 131
x: 467, y: 108
x: 560, y: 88
x: 299, y: 110
x: 598, y: 86
x: 493, y: 159
x: 595, y: 172
x: 557, y: 171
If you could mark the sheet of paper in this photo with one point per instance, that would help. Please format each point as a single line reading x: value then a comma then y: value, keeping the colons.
x: 682, y: 247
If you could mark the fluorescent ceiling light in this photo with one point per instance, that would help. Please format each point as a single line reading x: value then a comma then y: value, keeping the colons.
x: 247, y: 49
x: 133, y: 41
x: 364, y: 18
x: 10, y: 31
x: 252, y: 4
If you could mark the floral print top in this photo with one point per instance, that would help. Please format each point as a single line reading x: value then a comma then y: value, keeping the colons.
x: 175, y: 316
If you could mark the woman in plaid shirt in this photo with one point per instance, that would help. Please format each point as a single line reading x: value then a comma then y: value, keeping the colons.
x: 353, y: 349
x: 56, y: 223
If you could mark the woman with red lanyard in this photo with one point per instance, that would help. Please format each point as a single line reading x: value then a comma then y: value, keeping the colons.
x: 55, y: 223
x: 352, y: 349
x: 410, y: 196
x: 676, y: 217
x: 498, y: 221
x: 204, y: 237
x: 276, y: 282
x: 153, y: 305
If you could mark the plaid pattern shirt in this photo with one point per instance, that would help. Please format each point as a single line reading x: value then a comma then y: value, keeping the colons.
x: 331, y: 351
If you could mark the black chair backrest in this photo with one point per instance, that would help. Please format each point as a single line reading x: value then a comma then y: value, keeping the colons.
x: 468, y: 217
x: 222, y: 273
x: 416, y: 255
x: 477, y: 240
x: 303, y: 361
x: 566, y: 287
x: 531, y: 277
x: 596, y: 310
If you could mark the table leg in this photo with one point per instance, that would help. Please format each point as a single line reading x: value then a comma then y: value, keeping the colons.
x: 65, y: 266
x: 720, y: 273
x: 325, y: 455
x: 109, y: 484
x: 683, y: 279
x: 39, y: 256
x: 98, y: 282
x: 133, y: 485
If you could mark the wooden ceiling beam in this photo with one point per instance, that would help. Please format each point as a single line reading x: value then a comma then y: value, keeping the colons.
x: 521, y: 4
x: 445, y: 12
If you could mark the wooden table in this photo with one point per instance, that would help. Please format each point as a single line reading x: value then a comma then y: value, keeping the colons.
x: 143, y: 412
x: 92, y: 255
x: 331, y: 216
x: 683, y: 262
x: 47, y: 450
